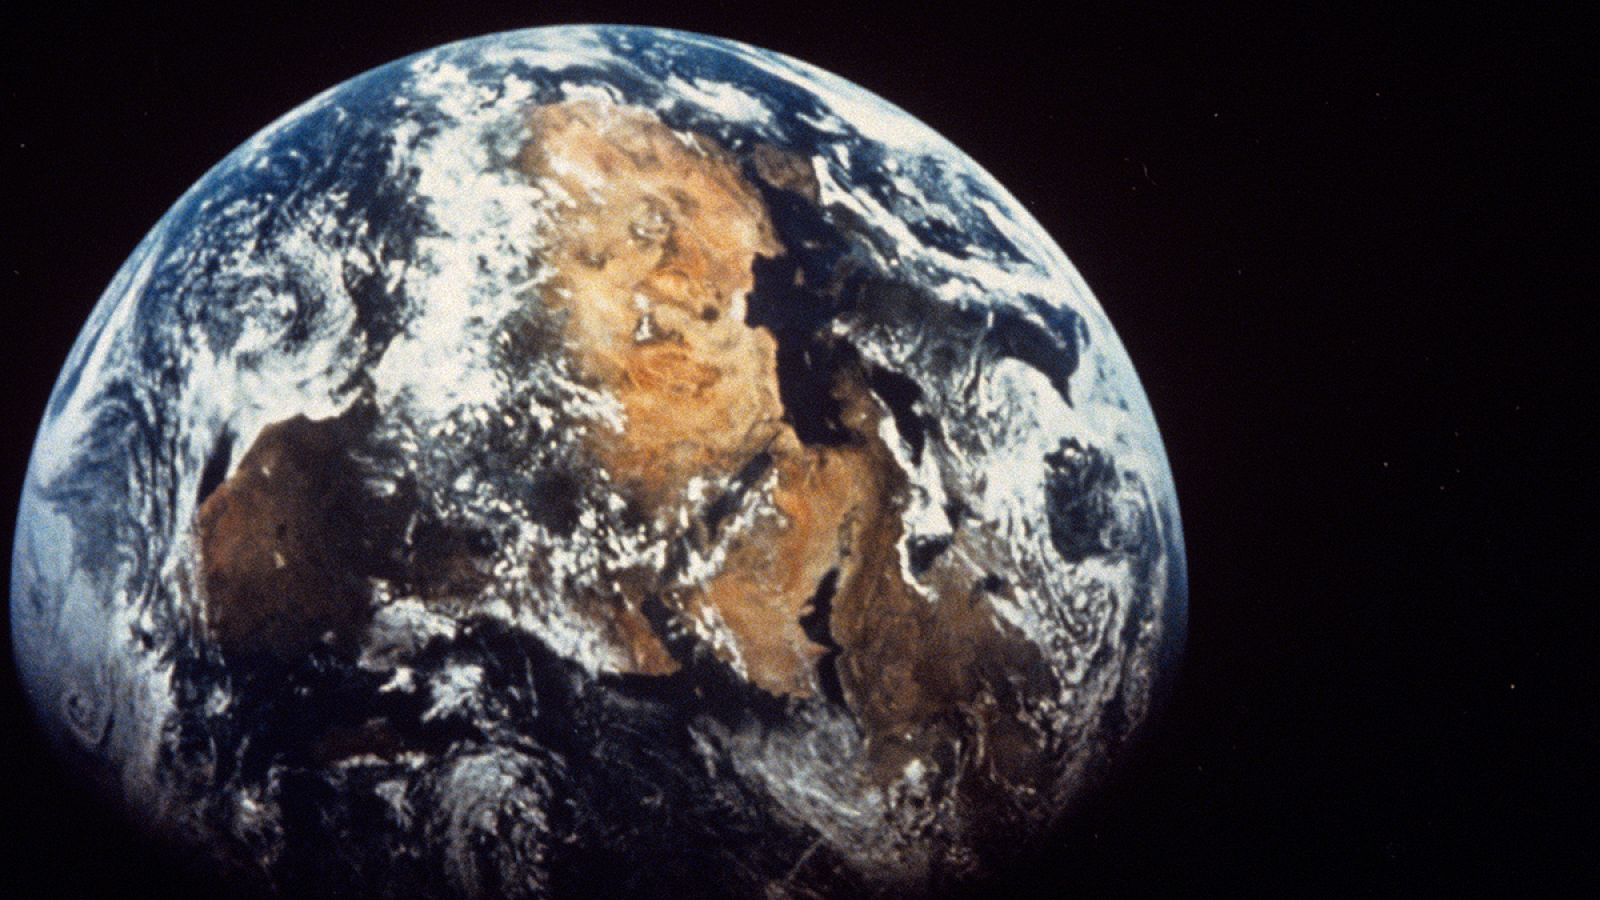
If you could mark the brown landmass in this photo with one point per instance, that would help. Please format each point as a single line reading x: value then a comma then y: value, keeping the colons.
x: 275, y: 544
x: 652, y: 262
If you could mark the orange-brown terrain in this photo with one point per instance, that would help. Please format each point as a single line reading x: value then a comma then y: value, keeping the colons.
x: 652, y: 261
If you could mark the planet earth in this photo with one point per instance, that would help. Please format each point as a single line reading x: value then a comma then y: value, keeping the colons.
x: 594, y: 460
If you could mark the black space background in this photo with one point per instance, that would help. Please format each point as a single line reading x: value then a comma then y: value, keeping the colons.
x: 1349, y: 254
